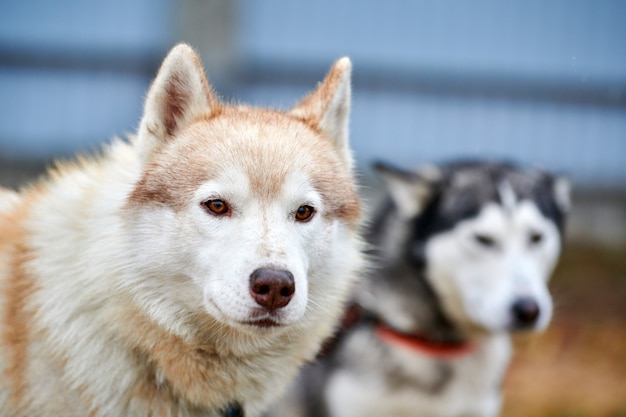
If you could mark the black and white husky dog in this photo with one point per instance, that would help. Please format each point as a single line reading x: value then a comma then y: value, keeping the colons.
x: 462, y: 256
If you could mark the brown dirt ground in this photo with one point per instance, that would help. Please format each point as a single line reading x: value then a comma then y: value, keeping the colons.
x: 577, y: 368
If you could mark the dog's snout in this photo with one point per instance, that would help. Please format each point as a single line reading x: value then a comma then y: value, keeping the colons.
x: 525, y: 311
x: 272, y: 288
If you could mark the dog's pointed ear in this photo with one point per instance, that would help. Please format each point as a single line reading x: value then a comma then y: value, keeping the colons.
x: 410, y: 190
x: 561, y: 189
x: 328, y: 107
x: 179, y: 94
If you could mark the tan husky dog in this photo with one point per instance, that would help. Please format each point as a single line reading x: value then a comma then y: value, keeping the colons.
x: 190, y: 272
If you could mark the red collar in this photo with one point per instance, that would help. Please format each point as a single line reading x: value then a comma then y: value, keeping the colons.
x: 425, y: 347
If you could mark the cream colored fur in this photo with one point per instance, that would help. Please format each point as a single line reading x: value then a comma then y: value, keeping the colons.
x: 121, y: 296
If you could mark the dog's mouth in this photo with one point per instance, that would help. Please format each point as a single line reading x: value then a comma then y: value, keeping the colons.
x: 264, y: 323
x: 258, y: 319
x: 264, y: 320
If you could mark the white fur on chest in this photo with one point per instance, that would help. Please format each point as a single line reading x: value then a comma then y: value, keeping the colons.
x: 473, y: 388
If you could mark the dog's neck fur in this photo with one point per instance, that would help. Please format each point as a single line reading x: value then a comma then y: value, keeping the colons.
x: 434, y: 323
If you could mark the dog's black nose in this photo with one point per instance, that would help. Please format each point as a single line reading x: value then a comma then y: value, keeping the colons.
x: 272, y: 288
x: 525, y: 311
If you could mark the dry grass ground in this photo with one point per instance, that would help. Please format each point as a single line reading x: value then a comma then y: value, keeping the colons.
x: 577, y: 368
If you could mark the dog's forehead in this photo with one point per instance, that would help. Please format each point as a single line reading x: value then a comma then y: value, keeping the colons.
x: 467, y: 189
x: 268, y: 147
x: 264, y: 146
x: 490, y: 179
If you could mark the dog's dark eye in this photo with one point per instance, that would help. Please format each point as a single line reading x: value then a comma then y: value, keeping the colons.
x: 304, y: 213
x: 485, y: 240
x: 216, y: 207
x: 535, y: 238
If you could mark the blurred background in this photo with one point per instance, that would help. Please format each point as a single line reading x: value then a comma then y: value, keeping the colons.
x: 542, y: 83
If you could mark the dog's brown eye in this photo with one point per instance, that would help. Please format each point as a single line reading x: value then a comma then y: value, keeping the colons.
x: 535, y: 238
x: 304, y: 213
x: 216, y: 207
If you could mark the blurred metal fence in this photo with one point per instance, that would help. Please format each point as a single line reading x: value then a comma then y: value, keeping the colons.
x: 542, y: 83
